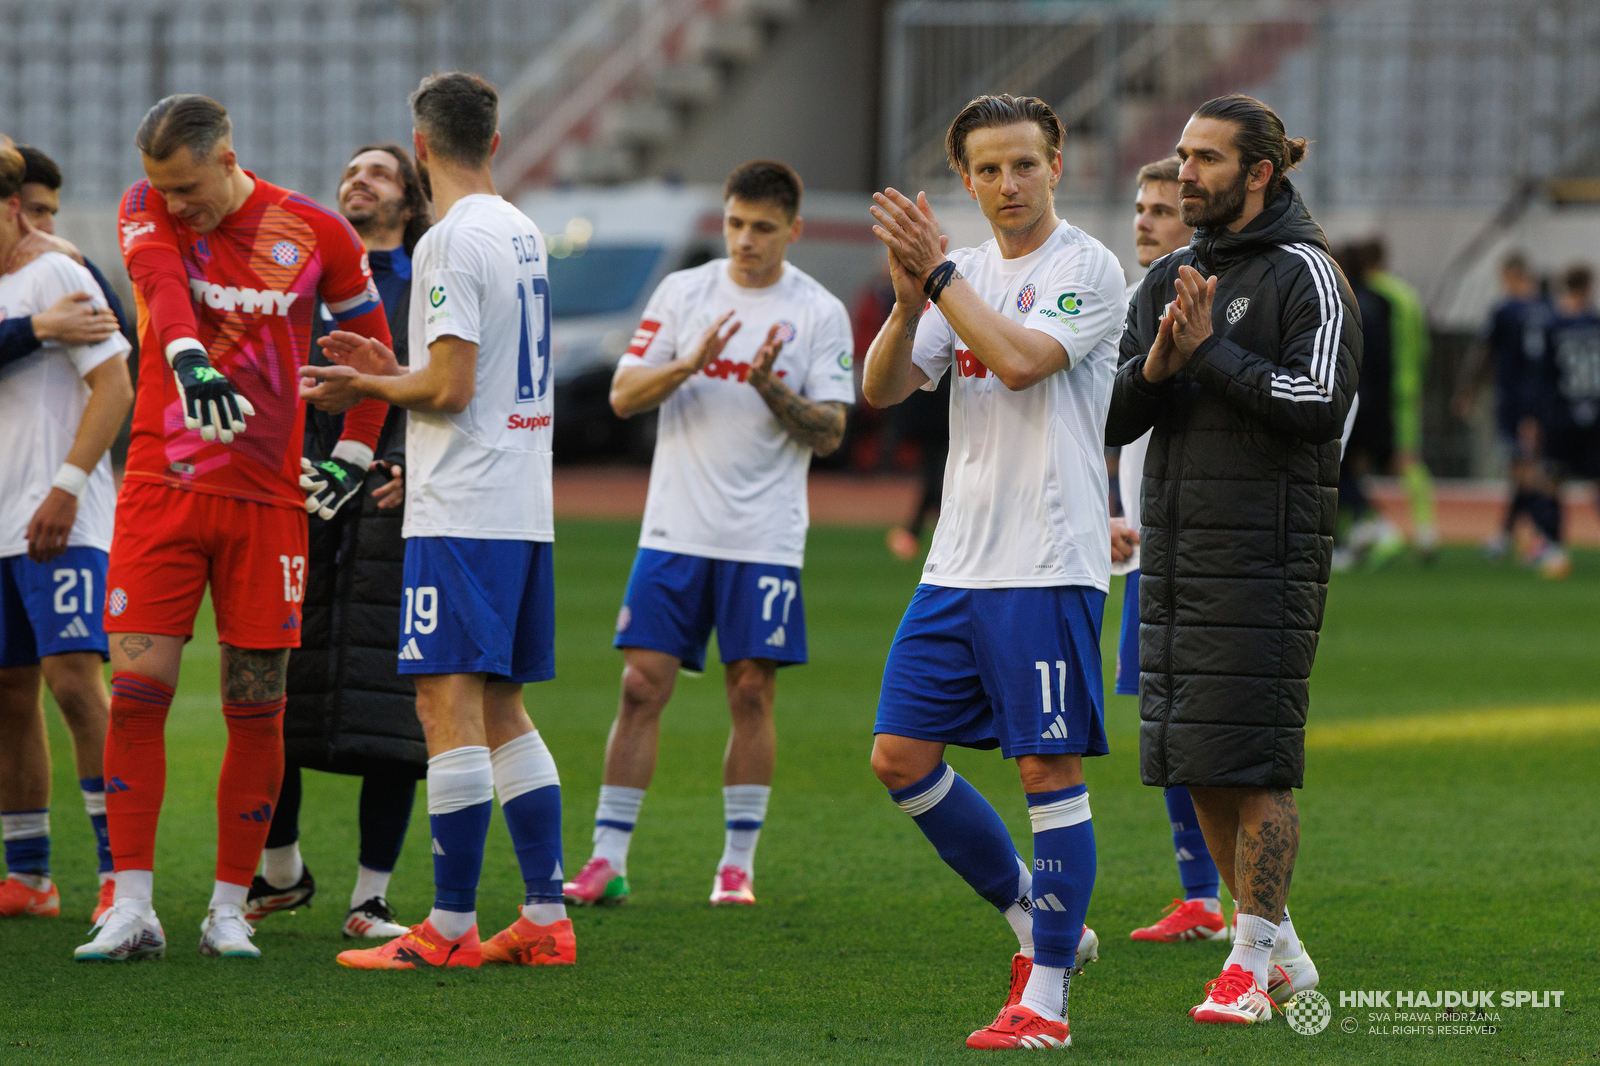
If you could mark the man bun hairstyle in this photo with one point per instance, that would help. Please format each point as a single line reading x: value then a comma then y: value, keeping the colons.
x: 1257, y: 134
x: 12, y: 168
x: 1003, y: 109
x: 412, y: 198
x: 183, y: 120
x: 1159, y: 171
x: 458, y: 114
x: 40, y: 169
x: 766, y: 181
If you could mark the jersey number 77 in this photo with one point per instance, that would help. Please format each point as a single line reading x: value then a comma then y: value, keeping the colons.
x: 529, y: 390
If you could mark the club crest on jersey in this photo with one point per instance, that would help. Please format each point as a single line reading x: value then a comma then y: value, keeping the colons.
x: 1237, y: 309
x: 1026, y: 297
x: 786, y: 332
x: 117, y: 602
x: 284, y: 253
x: 624, y: 619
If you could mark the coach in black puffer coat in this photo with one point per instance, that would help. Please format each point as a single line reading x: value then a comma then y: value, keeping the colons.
x: 1239, y: 493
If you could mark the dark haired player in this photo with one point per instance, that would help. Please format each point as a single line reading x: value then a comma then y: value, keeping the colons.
x: 225, y: 268
x: 1567, y: 414
x: 1000, y: 646
x: 748, y: 359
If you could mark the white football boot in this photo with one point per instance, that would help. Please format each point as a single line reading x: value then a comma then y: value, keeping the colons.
x: 126, y: 931
x: 1232, y: 998
x: 1088, y: 950
x: 226, y: 935
x: 1287, y: 978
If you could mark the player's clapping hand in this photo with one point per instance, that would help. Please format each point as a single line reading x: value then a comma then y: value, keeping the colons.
x: 362, y: 354
x: 51, y: 525
x: 1192, y: 313
x: 712, y: 341
x: 1124, y: 538
x: 766, y: 355
x: 209, y: 401
x: 910, y: 232
x: 74, y: 321
x: 330, y: 388
x: 392, y: 493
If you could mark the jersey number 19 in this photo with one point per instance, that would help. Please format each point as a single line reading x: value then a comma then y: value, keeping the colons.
x: 529, y: 389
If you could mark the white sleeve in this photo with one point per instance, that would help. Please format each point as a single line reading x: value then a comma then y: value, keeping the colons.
x: 832, y: 354
x: 655, y: 342
x: 453, y: 287
x: 61, y: 277
x: 934, y: 347
x: 1081, y: 303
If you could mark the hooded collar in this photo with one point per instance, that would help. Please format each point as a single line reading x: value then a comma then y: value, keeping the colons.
x: 1284, y: 220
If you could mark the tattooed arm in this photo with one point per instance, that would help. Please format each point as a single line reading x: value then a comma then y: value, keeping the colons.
x: 818, y: 424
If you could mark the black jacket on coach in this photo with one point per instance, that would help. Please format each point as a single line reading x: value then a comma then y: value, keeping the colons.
x: 348, y: 707
x: 1238, y: 499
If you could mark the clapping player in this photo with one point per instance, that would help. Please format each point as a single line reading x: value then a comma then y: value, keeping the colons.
x: 748, y: 359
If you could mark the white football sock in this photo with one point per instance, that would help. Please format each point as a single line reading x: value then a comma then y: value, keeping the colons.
x: 282, y: 867
x: 1046, y: 992
x: 1212, y: 904
x: 369, y: 883
x: 26, y: 825
x: 743, y: 805
x: 452, y: 925
x: 1287, y: 945
x: 618, y: 805
x: 544, y: 913
x: 1252, y: 946
x: 1020, y: 917
x: 224, y: 892
x: 136, y: 886
x: 37, y: 882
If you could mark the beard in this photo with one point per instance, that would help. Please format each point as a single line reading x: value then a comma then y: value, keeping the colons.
x: 1216, y: 209
x: 374, y: 218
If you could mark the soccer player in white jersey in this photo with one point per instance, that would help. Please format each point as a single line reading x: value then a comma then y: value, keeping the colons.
x: 60, y: 409
x: 1000, y: 646
x: 748, y: 359
x: 479, y: 609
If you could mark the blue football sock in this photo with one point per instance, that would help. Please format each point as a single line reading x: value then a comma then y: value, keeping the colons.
x: 530, y: 794
x: 1063, y: 872
x: 27, y: 841
x: 460, y: 798
x: 1195, y: 868
x: 966, y: 832
x: 94, y: 801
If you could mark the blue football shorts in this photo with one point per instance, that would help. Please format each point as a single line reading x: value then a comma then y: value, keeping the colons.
x: 1017, y: 669
x: 1128, y: 645
x: 675, y: 600
x: 479, y: 606
x: 52, y: 608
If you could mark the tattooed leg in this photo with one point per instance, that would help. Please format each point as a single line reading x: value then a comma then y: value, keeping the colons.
x: 155, y: 655
x: 1269, y: 840
x: 250, y: 675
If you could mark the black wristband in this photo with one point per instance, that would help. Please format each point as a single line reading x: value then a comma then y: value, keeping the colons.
x: 938, y: 278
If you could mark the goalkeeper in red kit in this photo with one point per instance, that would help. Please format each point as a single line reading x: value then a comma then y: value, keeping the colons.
x: 227, y: 270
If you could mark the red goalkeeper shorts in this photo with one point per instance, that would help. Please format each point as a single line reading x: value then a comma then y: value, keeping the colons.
x: 169, y: 542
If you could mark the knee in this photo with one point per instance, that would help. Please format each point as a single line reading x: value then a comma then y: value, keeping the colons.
x: 644, y: 692
x: 82, y: 699
x: 894, y: 771
x: 747, y: 696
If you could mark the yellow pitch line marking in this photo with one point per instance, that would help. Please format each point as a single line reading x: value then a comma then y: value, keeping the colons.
x: 1507, y: 723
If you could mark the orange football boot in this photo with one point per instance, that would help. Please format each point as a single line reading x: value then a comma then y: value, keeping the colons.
x: 108, y: 896
x: 17, y: 899
x: 1021, y: 970
x: 524, y: 944
x: 421, y: 945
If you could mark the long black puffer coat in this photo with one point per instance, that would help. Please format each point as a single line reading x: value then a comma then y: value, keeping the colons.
x: 348, y: 706
x: 1238, y: 499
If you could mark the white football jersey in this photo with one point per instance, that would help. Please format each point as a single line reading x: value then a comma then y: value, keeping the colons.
x: 1025, y: 487
x: 728, y: 481
x: 481, y: 275
x: 41, y: 405
x: 1130, y: 474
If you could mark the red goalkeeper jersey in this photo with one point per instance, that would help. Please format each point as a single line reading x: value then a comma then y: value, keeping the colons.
x: 247, y: 292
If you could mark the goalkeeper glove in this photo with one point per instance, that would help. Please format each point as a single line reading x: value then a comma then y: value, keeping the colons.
x: 329, y: 484
x: 209, y: 401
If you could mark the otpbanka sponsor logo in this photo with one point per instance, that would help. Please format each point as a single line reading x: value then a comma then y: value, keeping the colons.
x: 1439, y: 1013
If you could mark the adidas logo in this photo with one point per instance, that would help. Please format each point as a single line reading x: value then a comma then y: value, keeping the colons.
x: 437, y: 850
x: 75, y: 628
x: 1048, y: 902
x: 1057, y: 730
x: 262, y: 813
x: 116, y: 784
x: 776, y: 640
x: 1185, y: 855
x: 411, y: 651
x: 292, y: 623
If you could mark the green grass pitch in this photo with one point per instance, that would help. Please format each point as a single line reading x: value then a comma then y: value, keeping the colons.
x: 1434, y: 856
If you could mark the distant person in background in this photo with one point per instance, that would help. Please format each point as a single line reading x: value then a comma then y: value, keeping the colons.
x: 1565, y: 421
x: 1410, y: 347
x: 1158, y: 231
x: 923, y: 417
x: 348, y: 710
x: 1513, y: 354
x: 1364, y: 533
x: 724, y: 526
